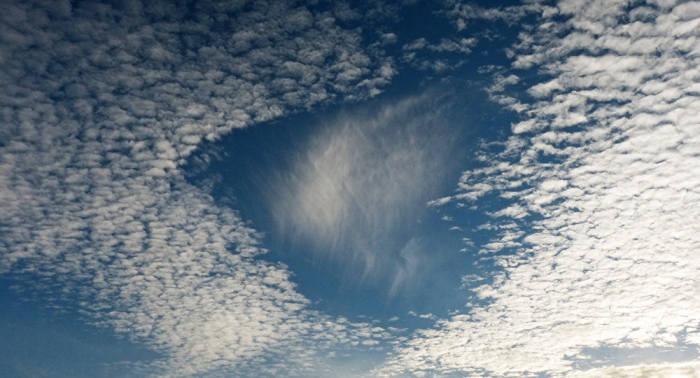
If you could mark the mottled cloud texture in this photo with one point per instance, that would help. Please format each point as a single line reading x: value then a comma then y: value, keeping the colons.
x: 594, y: 199
x: 599, y: 240
x: 100, y: 105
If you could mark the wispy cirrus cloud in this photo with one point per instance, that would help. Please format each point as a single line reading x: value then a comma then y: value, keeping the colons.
x: 101, y: 105
x: 359, y: 189
x: 598, y: 243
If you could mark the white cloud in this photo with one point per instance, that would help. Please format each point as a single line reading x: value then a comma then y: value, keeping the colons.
x: 424, y: 55
x: 362, y: 184
x: 100, y: 108
x: 670, y: 370
x: 417, y: 44
x: 388, y: 38
x: 462, y: 45
x: 462, y: 13
x: 608, y: 161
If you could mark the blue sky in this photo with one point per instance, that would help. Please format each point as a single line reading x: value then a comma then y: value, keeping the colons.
x: 362, y: 189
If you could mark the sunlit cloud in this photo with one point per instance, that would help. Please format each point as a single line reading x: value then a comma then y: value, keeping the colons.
x: 599, y: 236
x: 670, y: 370
x: 97, y: 122
x: 356, y: 194
x: 583, y: 218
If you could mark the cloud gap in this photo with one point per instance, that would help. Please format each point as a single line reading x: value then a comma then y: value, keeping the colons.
x: 353, y: 196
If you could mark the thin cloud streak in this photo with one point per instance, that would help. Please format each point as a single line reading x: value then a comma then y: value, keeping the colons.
x: 360, y: 187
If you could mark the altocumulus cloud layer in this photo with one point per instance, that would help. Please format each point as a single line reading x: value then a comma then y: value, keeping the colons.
x: 598, y: 245
x: 100, y: 106
x: 102, y: 103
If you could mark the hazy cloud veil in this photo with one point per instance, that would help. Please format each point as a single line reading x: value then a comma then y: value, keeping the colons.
x: 362, y: 184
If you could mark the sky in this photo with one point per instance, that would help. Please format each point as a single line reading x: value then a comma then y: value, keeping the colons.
x: 350, y: 189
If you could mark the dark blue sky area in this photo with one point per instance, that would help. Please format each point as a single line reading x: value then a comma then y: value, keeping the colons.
x: 55, y: 342
x: 243, y: 163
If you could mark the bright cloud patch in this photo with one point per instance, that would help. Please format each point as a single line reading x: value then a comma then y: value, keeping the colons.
x: 100, y: 106
x: 606, y: 161
x: 362, y: 184
x: 580, y: 222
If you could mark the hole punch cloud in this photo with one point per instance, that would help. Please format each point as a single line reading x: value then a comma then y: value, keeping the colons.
x: 356, y: 192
